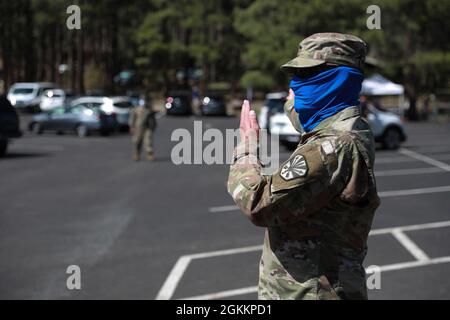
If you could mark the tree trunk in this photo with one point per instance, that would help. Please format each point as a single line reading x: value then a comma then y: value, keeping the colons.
x: 80, y: 62
x: 29, y: 54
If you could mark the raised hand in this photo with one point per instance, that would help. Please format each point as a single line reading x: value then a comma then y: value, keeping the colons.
x: 249, y: 127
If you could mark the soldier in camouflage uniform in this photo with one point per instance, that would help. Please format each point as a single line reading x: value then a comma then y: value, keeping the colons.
x: 318, y: 207
x: 142, y: 123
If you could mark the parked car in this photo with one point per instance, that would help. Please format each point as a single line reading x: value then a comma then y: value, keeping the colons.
x: 213, y: 104
x: 273, y: 105
x: 79, y: 118
x: 9, y: 124
x: 55, y: 98
x: 280, y: 125
x: 387, y: 128
x: 135, y: 97
x: 119, y: 106
x: 179, y: 103
x: 27, y: 96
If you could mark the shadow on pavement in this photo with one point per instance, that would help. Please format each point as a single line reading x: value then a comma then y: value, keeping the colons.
x: 19, y: 155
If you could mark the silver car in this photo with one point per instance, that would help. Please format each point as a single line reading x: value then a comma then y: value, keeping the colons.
x: 387, y: 128
x: 79, y: 118
x: 55, y: 98
x: 120, y: 107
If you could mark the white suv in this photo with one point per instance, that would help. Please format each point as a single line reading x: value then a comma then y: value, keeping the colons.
x: 54, y: 98
x: 386, y: 126
x: 28, y: 95
x: 273, y: 105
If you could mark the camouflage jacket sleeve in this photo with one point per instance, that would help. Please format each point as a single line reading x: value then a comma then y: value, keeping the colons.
x: 314, y: 174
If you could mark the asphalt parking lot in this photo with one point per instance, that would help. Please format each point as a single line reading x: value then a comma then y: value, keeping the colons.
x: 158, y: 230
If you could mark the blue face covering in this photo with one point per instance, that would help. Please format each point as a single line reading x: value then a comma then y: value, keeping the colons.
x: 325, y: 94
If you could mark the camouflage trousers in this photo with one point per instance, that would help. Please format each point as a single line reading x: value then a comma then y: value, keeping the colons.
x: 143, y: 137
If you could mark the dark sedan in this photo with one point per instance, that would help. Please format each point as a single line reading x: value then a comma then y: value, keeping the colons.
x: 9, y: 124
x: 213, y: 105
x: 80, y: 119
x: 179, y: 104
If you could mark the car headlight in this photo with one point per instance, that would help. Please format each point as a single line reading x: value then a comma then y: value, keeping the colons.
x: 108, y: 108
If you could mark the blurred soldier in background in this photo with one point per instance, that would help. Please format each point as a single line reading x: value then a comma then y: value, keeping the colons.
x: 142, y: 124
x: 318, y: 207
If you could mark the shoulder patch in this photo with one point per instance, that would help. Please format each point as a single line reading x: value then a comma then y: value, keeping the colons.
x: 327, y: 147
x: 294, y: 168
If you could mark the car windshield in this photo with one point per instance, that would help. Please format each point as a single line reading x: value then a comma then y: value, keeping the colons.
x: 82, y: 108
x: 78, y: 109
x: 59, y: 110
x: 123, y: 104
x: 23, y: 90
x: 276, y: 105
x: 215, y: 98
x: 42, y: 90
x: 53, y: 94
x: 180, y: 100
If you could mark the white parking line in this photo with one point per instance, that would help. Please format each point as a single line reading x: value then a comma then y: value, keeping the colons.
x: 225, y: 252
x: 433, y: 148
x: 422, y: 258
x: 223, y: 208
x: 169, y: 286
x: 387, y: 160
x: 408, y: 192
x: 425, y: 159
x: 412, y: 227
x: 409, y: 245
x: 385, y: 268
x: 381, y: 194
x: 403, y: 172
x: 224, y: 294
x: 177, y: 272
x: 411, y: 264
x: 438, y: 167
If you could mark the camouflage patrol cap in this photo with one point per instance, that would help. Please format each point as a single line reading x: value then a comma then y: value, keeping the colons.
x: 334, y: 48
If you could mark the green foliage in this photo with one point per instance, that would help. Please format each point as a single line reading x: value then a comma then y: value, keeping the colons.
x: 258, y: 80
x: 94, y: 77
x: 433, y: 69
x: 412, y: 44
x: 242, y: 42
x: 189, y: 34
x: 273, y: 29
